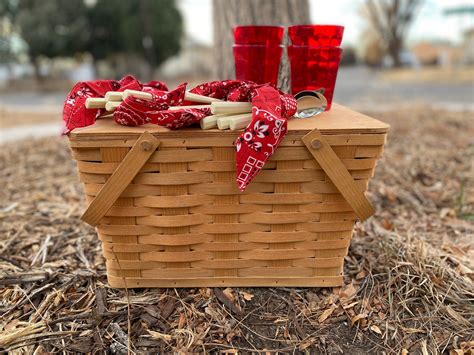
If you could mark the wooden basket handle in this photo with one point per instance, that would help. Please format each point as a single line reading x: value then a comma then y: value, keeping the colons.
x: 141, y: 151
x: 337, y: 172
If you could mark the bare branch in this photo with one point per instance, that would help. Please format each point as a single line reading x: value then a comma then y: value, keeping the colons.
x: 392, y: 19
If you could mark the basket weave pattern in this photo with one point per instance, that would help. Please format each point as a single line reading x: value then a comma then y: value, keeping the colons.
x: 183, y: 222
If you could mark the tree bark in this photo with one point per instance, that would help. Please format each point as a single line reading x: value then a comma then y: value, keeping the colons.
x: 37, y: 70
x: 230, y: 13
x: 394, y: 49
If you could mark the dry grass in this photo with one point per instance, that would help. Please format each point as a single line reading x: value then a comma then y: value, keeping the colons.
x: 409, y: 281
x: 13, y: 117
x: 434, y: 75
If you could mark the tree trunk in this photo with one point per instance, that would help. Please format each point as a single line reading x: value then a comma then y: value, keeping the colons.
x: 230, y: 13
x: 394, y: 51
x: 37, y: 69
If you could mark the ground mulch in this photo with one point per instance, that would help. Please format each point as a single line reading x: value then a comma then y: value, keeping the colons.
x: 409, y: 272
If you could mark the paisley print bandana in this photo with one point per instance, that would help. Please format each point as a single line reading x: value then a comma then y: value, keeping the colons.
x: 222, y: 89
x: 75, y: 113
x: 179, y: 118
x: 136, y: 112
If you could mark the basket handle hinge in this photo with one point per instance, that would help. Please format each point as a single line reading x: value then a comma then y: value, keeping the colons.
x: 123, y: 175
x: 339, y: 175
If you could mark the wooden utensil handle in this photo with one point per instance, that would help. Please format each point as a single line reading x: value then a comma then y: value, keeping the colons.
x: 210, y: 121
x: 223, y: 122
x: 114, y: 95
x: 174, y: 108
x: 138, y: 94
x: 95, y: 102
x: 112, y: 105
x: 189, y: 96
x: 240, y: 121
x: 231, y: 107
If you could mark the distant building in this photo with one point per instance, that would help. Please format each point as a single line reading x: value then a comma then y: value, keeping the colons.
x: 465, y: 12
x: 468, y: 47
x: 437, y: 53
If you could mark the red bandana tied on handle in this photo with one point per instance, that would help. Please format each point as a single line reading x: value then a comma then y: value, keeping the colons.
x: 270, y: 110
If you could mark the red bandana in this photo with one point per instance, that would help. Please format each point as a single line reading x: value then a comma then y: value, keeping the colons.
x: 135, y: 112
x: 270, y: 110
x: 228, y: 90
x: 75, y: 113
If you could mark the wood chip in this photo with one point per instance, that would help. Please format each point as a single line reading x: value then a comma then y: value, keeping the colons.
x: 101, y: 301
x: 226, y: 301
x: 326, y: 314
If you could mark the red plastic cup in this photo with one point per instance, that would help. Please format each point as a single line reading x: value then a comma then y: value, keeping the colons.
x: 253, y: 35
x: 316, y: 35
x: 257, y: 63
x: 314, y: 68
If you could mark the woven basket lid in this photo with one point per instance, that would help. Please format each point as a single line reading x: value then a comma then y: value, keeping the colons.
x: 338, y: 120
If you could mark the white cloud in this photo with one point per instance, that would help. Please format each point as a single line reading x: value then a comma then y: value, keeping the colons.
x: 198, y: 19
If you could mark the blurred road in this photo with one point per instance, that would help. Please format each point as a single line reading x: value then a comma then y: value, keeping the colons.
x: 361, y: 88
x: 30, y: 99
x: 38, y: 130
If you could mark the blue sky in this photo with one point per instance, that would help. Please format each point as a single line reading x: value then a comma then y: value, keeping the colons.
x: 430, y: 24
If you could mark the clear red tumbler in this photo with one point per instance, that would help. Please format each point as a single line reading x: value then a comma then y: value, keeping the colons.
x: 257, y: 63
x: 314, y: 68
x: 264, y: 35
x: 257, y: 53
x: 316, y: 35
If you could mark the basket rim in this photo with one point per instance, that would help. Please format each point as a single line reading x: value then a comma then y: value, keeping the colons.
x: 339, y: 119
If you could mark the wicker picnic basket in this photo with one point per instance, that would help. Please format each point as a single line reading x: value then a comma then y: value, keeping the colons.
x: 169, y: 214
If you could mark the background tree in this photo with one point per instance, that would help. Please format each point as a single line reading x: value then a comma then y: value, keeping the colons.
x: 51, y: 28
x: 392, y: 20
x: 230, y: 13
x: 148, y: 29
x: 104, y: 37
x: 8, y: 12
x: 151, y: 29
